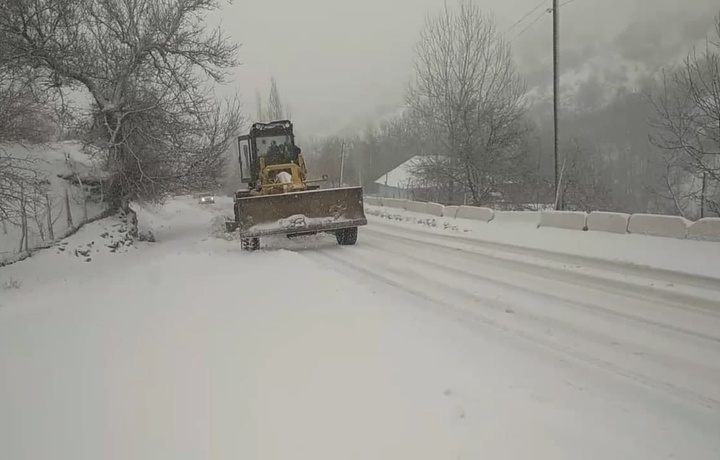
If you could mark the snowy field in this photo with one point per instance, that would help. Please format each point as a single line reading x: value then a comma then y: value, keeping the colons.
x: 418, y: 343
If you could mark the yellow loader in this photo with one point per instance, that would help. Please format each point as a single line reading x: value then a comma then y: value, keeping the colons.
x: 280, y: 200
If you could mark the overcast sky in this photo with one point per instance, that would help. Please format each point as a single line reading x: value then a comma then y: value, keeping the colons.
x: 338, y: 60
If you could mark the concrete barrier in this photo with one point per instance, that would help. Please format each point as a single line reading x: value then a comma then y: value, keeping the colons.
x: 517, y: 217
x: 416, y: 206
x: 450, y: 211
x: 434, y: 209
x: 394, y: 203
x: 475, y: 213
x: 373, y: 200
x: 612, y: 222
x: 706, y: 229
x: 657, y: 225
x: 571, y: 220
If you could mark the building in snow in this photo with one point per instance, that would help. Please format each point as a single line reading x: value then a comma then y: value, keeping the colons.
x: 402, y: 183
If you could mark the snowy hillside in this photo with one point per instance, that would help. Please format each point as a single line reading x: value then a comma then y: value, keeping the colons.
x: 55, y: 201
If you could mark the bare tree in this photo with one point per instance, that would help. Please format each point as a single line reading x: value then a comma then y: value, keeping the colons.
x: 582, y: 179
x: 22, y: 190
x: 275, y: 105
x: 145, y: 64
x: 25, y: 115
x: 688, y: 129
x: 260, y: 112
x: 467, y: 93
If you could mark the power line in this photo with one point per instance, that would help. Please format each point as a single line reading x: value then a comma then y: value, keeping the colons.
x: 539, y: 5
x: 549, y: 10
x: 529, y: 25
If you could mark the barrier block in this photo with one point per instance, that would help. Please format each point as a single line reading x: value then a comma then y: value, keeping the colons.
x: 475, y: 213
x: 612, y: 222
x: 394, y: 203
x: 451, y: 211
x: 434, y: 209
x: 705, y: 229
x: 417, y: 207
x: 571, y: 220
x: 658, y: 225
x: 517, y: 217
x: 373, y: 200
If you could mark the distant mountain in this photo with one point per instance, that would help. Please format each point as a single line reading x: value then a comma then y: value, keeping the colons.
x: 599, y: 60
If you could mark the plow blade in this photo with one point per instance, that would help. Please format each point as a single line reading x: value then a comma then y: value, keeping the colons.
x: 313, y: 211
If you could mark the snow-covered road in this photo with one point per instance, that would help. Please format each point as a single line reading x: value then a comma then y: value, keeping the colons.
x: 409, y: 345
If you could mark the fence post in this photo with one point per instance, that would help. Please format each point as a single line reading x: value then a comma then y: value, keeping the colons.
x: 67, y: 209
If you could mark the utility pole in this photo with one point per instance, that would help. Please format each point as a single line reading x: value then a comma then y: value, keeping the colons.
x: 556, y: 76
x: 342, y: 162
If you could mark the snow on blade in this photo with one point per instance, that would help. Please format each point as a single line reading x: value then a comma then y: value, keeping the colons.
x: 297, y: 221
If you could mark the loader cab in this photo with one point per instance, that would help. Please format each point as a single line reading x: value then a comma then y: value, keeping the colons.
x: 274, y: 141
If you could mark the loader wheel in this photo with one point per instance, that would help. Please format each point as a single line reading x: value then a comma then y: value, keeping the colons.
x: 250, y: 244
x: 347, y: 236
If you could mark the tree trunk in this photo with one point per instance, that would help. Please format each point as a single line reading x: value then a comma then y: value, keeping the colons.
x: 48, y: 207
x: 131, y: 217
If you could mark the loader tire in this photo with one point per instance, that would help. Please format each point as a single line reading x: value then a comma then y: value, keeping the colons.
x: 347, y: 236
x: 250, y: 244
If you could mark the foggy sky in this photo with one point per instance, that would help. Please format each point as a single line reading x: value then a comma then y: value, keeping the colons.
x: 340, y: 61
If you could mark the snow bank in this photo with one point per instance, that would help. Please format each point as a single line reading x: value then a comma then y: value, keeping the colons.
x: 657, y: 225
x: 517, y: 229
x: 475, y: 213
x: 570, y: 220
x: 707, y: 229
x: 613, y: 222
x: 609, y: 222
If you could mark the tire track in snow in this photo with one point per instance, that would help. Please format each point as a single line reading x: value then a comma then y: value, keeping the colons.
x: 555, y: 295
x: 659, y: 274
x: 660, y: 348
x: 544, y: 334
x: 645, y: 289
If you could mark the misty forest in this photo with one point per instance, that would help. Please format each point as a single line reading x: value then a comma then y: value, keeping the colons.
x: 135, y: 82
x: 641, y: 134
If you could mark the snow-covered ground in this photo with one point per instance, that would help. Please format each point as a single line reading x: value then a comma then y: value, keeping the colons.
x: 517, y: 231
x: 416, y: 343
x: 50, y: 161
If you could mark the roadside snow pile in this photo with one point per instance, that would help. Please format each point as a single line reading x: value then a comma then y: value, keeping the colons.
x: 109, y: 235
x: 406, y: 216
x: 105, y: 240
x: 520, y: 231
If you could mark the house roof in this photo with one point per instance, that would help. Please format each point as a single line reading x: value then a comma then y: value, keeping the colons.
x: 402, y: 176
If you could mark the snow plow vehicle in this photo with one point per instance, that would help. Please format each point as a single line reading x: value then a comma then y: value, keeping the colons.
x: 280, y: 199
